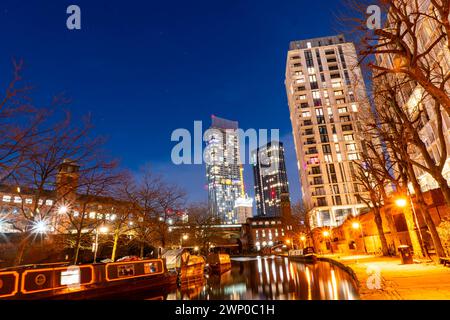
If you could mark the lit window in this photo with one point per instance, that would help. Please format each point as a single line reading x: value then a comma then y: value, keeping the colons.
x: 28, y: 201
x: 348, y: 137
x: 48, y: 202
x: 92, y: 215
x: 6, y: 198
x: 17, y: 200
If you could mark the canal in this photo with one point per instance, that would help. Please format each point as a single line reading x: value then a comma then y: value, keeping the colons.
x: 266, y: 278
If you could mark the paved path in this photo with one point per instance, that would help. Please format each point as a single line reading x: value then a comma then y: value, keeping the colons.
x: 419, y: 281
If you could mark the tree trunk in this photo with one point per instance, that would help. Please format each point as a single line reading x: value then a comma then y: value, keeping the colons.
x: 21, y: 249
x: 141, y: 254
x: 77, y: 247
x: 379, y: 223
x: 116, y: 240
x: 393, y: 229
x: 443, y: 184
x: 427, y: 217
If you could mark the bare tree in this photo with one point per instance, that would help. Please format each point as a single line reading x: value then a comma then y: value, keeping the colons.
x: 370, y: 176
x: 19, y: 121
x: 170, y: 201
x: 45, y: 182
x: 201, y: 224
x: 94, y: 205
x: 156, y: 206
x: 122, y: 224
x: 402, y: 134
x: 413, y: 41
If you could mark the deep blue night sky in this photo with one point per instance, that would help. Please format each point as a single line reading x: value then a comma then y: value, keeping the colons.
x: 145, y: 68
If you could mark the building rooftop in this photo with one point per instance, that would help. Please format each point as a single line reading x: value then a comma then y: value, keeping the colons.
x: 316, y: 42
x: 222, y: 123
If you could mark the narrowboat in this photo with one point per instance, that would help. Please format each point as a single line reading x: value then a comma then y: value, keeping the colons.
x: 219, y: 262
x: 306, y: 255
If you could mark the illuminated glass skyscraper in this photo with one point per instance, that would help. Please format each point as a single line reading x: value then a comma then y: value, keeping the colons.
x: 271, y: 184
x: 223, y: 169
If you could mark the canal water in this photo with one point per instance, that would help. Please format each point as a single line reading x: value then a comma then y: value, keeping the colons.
x: 266, y: 278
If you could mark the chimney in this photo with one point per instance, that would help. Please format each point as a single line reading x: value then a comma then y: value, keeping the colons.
x: 67, y: 180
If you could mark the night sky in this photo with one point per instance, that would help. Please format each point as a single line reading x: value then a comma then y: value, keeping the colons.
x: 145, y: 68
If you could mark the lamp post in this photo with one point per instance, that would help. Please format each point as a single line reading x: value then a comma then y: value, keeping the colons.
x: 356, y: 225
x: 184, y: 237
x: 327, y: 235
x: 303, y: 240
x: 102, y: 229
x: 289, y: 242
x: 412, y: 223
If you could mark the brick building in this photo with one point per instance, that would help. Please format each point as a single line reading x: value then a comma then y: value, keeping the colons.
x: 363, y: 236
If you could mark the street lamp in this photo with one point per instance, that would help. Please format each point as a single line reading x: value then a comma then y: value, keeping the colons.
x: 63, y: 209
x: 102, y: 229
x: 401, y: 202
x: 40, y: 226
x: 303, y: 240
x: 356, y: 225
x: 289, y: 242
x: 327, y: 234
x: 184, y: 237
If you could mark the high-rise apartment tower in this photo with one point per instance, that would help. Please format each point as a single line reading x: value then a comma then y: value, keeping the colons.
x: 326, y: 91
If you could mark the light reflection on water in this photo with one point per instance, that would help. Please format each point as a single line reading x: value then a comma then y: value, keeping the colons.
x: 272, y: 278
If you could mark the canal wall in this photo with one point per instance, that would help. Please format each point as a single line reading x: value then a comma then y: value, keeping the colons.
x: 344, y: 267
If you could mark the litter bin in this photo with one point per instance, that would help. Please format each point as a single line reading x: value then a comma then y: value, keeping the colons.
x: 406, y: 254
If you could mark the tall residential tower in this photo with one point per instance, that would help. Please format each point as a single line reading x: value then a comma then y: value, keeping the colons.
x: 325, y: 91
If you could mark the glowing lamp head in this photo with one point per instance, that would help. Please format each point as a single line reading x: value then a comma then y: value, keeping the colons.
x: 40, y: 227
x: 288, y: 241
x: 195, y: 248
x: 185, y: 237
x: 303, y: 238
x: 63, y: 209
x: 103, y: 229
x: 401, y: 202
x: 326, y: 234
x: 356, y: 225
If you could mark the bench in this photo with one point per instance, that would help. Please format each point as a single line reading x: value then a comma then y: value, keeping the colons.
x: 444, y: 261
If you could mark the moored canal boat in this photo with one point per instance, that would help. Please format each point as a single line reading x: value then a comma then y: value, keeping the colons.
x: 306, y: 255
x: 188, y: 267
x: 219, y: 262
